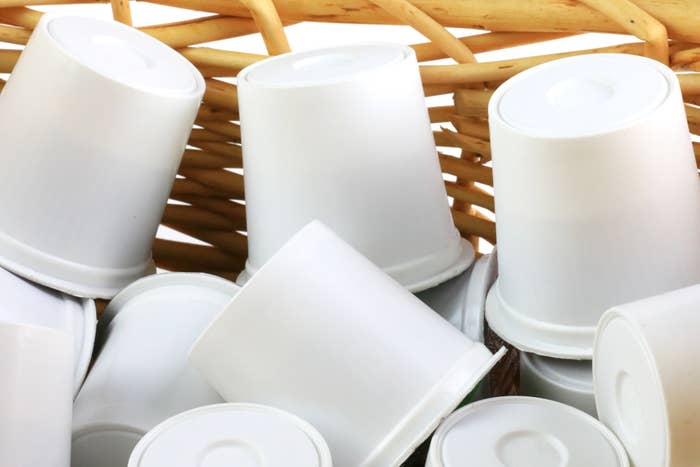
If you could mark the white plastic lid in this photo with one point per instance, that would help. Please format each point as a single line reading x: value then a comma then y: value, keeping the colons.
x: 27, y: 303
x: 324, y: 66
x: 582, y: 95
x: 524, y: 432
x: 572, y: 374
x: 124, y: 54
x: 225, y: 435
x: 629, y: 395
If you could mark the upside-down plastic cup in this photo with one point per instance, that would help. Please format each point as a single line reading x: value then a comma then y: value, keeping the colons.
x: 233, y: 435
x: 597, y: 195
x: 141, y: 376
x: 524, y: 431
x: 462, y: 300
x: 26, y: 303
x: 646, y: 376
x: 567, y: 381
x: 342, y: 135
x: 36, y: 395
x: 343, y: 346
x: 94, y: 119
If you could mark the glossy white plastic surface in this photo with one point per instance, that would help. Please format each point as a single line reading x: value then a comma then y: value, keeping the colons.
x: 232, y: 435
x: 343, y: 346
x: 141, y: 376
x: 462, y: 300
x: 321, y: 130
x: 36, y: 395
x: 26, y: 303
x: 646, y: 377
x: 94, y: 122
x: 567, y: 381
x: 524, y: 432
x: 597, y: 195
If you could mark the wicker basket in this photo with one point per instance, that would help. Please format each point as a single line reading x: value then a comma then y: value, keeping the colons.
x: 208, y: 195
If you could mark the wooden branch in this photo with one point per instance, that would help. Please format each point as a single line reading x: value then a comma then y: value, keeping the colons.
x: 8, y: 59
x: 208, y: 113
x: 201, y: 30
x: 270, y: 25
x: 221, y: 95
x: 637, y: 22
x: 221, y: 59
x: 407, y: 13
x: 230, y: 242
x: 472, y: 126
x: 449, y: 138
x: 466, y: 170
x: 14, y: 35
x: 472, y: 225
x: 472, y: 102
x: 121, y: 11
x: 690, y: 83
x: 20, y: 16
x: 199, y: 218
x: 194, y: 255
x: 441, y: 114
x: 470, y: 196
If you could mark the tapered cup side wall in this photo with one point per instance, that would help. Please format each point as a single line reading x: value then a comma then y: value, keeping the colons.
x: 141, y: 376
x: 567, y: 381
x: 646, y: 377
x: 597, y: 197
x: 342, y: 135
x: 90, y: 154
x: 343, y: 346
x: 36, y: 395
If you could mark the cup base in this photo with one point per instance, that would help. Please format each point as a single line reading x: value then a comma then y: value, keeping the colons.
x: 75, y: 279
x: 538, y: 337
x: 440, y: 402
x: 462, y: 261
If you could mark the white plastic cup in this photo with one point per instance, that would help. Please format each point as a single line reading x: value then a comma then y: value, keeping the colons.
x: 462, y: 300
x: 36, y: 395
x: 567, y: 381
x: 646, y: 375
x: 342, y: 135
x: 597, y: 196
x: 24, y: 302
x: 94, y: 120
x: 233, y: 435
x: 343, y: 346
x: 141, y: 376
x: 524, y: 431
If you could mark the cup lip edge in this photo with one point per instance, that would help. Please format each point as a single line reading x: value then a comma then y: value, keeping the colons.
x: 435, y: 451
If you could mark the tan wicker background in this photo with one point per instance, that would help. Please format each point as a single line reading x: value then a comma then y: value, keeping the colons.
x: 208, y: 194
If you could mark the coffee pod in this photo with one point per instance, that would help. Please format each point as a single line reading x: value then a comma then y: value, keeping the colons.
x: 524, y: 431
x: 342, y: 135
x: 94, y: 119
x: 567, y: 381
x: 141, y: 376
x: 343, y: 346
x: 597, y: 197
x: 647, y: 378
x: 26, y: 303
x: 36, y: 394
x: 235, y: 435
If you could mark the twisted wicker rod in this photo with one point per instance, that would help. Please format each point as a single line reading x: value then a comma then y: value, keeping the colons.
x: 637, y: 22
x: 487, y: 42
x: 406, y: 13
x: 269, y: 24
x: 227, y: 183
x: 230, y: 242
x: 472, y: 102
x: 231, y: 210
x: 207, y: 112
x: 470, y: 195
x: 679, y: 16
x: 226, y: 149
x: 121, y: 11
x: 195, y: 255
x: 197, y: 159
x: 474, y: 145
x: 188, y: 187
x: 199, y: 218
x: 465, y: 169
x: 472, y: 225
x: 14, y: 35
x: 687, y: 56
x: 472, y: 126
x: 221, y: 95
x: 203, y: 135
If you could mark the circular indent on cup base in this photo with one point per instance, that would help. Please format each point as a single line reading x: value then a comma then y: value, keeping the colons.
x: 582, y: 95
x: 518, y: 448
x: 629, y: 406
x: 230, y: 453
x: 124, y: 54
x: 524, y: 432
x: 324, y: 66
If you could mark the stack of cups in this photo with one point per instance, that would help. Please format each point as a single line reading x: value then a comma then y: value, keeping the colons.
x: 342, y: 135
x: 141, y: 376
x: 374, y: 371
x: 598, y: 202
x: 94, y: 120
